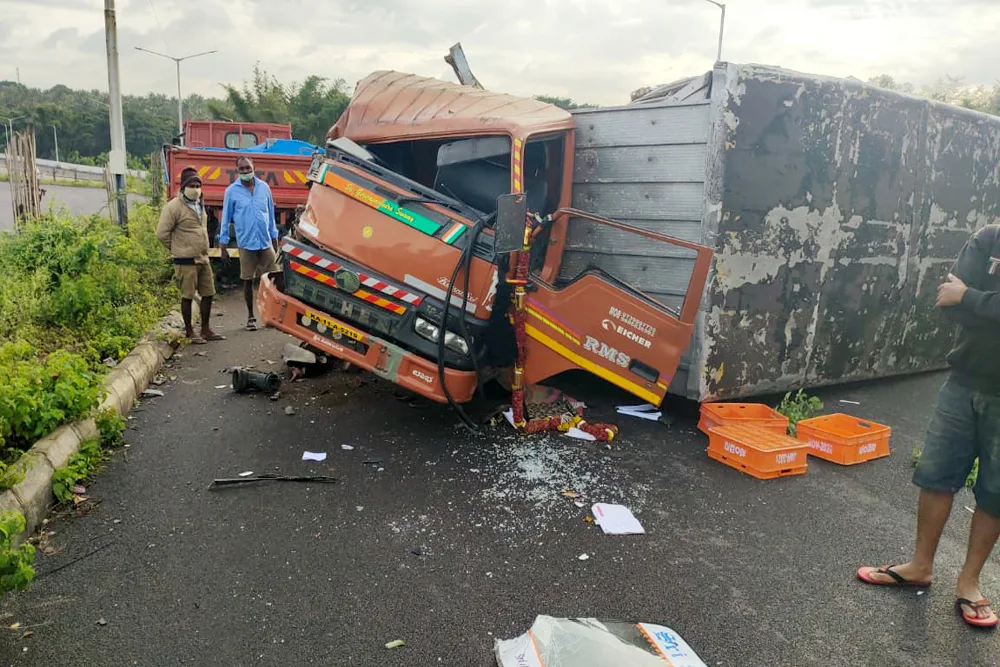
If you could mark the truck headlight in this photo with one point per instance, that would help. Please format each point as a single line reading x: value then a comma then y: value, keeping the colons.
x: 432, y: 332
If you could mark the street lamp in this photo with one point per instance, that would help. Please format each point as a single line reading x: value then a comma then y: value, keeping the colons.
x: 55, y: 137
x: 722, y: 27
x: 180, y: 101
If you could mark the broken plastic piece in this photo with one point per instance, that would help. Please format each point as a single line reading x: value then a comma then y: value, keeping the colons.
x: 314, y: 456
x: 589, y: 642
x: 152, y: 392
x: 396, y: 643
x: 246, y: 474
x: 346, y: 448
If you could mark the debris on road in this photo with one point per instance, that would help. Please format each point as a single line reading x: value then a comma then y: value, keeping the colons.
x: 275, y: 396
x: 644, y: 411
x: 590, y: 642
x: 221, y: 386
x: 152, y: 393
x: 101, y: 621
x: 267, y: 477
x: 583, y: 557
x: 314, y: 456
x: 570, y: 494
x: 346, y: 448
x: 246, y: 474
x: 396, y: 643
x: 159, y: 379
x: 289, y: 410
x: 245, y: 379
x: 845, y: 402
x: 576, y: 433
x: 617, y: 520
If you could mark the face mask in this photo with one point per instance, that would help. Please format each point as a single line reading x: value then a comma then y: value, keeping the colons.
x: 192, y: 193
x: 246, y: 178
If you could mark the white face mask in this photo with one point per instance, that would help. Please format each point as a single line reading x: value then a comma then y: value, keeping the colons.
x: 193, y: 193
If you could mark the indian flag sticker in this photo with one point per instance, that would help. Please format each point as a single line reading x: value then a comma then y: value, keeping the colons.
x: 452, y: 234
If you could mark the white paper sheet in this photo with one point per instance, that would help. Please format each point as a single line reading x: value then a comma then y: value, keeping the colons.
x: 314, y: 456
x: 580, y: 435
x: 632, y: 411
x: 616, y: 520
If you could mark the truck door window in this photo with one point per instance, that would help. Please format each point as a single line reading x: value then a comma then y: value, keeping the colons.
x: 233, y: 140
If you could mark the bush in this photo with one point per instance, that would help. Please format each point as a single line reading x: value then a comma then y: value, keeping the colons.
x: 798, y: 407
x: 73, y: 292
x: 16, y: 570
x: 81, y: 465
x: 39, y: 393
x: 82, y: 284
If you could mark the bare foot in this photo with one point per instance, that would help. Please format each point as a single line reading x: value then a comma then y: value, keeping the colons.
x: 907, y: 571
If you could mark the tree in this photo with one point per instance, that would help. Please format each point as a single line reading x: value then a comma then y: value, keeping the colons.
x: 564, y: 102
x: 311, y: 107
x: 950, y: 90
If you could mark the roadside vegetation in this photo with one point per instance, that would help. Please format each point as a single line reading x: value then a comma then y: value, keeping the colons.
x: 75, y: 296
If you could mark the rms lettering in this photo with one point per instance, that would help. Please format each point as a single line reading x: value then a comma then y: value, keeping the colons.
x: 606, y: 351
x: 735, y: 450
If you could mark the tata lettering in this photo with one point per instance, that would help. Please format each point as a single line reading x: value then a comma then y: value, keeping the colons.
x: 633, y: 322
x: 606, y: 351
x: 733, y: 449
x: 622, y: 331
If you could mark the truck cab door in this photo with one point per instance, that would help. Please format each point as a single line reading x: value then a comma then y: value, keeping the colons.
x: 597, y: 323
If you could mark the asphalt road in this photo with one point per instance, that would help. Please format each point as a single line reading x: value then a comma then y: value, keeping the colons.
x: 450, y: 541
x: 79, y: 200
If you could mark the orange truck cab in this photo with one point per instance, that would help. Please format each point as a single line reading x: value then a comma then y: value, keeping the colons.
x: 429, y: 251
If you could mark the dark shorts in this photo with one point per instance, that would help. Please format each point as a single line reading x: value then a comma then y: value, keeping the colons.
x: 965, y: 426
x: 255, y: 263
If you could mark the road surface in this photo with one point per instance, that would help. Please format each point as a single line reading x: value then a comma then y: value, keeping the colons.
x: 79, y: 200
x: 450, y: 541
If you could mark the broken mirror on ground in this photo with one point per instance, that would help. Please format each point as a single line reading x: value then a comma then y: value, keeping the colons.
x: 589, y: 642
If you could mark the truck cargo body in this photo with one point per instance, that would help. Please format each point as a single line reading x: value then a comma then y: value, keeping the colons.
x: 834, y: 210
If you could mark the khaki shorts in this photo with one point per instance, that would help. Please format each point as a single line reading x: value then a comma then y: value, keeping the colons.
x: 194, y: 279
x: 255, y: 263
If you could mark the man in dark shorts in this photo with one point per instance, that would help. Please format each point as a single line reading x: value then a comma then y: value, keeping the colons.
x: 965, y: 426
x: 248, y: 204
x: 183, y: 231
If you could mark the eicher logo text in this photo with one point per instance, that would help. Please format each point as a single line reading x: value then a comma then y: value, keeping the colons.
x: 633, y: 322
x: 608, y: 325
x: 606, y: 351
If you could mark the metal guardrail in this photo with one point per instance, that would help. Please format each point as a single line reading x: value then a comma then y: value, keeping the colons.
x: 67, y: 171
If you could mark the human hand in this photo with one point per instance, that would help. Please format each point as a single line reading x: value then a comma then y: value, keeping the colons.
x: 224, y: 254
x: 950, y: 292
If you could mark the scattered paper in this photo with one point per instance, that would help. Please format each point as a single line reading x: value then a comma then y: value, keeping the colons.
x: 583, y: 557
x: 396, y: 643
x: 314, y: 456
x: 579, y: 504
x: 644, y: 411
x: 580, y: 435
x: 509, y: 414
x: 346, y: 447
x: 246, y: 474
x: 616, y: 520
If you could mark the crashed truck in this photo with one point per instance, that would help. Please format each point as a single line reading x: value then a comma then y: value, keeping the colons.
x: 749, y: 231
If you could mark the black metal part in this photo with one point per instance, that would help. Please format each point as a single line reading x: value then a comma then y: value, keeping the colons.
x: 245, y: 379
x: 229, y: 482
x: 512, y: 211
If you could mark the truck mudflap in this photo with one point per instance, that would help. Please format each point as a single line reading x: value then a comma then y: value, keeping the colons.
x: 384, y: 359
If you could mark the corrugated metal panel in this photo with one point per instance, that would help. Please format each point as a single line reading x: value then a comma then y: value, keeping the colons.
x: 641, y: 164
x: 644, y: 201
x: 588, y: 237
x: 664, y: 275
x: 642, y: 126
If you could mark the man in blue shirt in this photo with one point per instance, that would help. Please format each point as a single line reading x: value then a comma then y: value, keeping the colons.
x: 249, y: 205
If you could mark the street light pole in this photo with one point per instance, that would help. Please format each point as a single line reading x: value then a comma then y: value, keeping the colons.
x: 116, y: 157
x: 55, y: 137
x: 180, y: 100
x: 722, y: 27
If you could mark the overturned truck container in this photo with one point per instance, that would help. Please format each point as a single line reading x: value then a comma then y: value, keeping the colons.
x: 834, y: 210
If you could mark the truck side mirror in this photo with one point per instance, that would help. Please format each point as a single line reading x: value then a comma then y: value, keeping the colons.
x: 512, y: 213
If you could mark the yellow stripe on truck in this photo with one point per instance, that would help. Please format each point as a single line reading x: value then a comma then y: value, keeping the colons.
x: 594, y: 368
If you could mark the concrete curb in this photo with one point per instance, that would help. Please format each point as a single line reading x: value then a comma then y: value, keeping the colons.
x: 126, y: 382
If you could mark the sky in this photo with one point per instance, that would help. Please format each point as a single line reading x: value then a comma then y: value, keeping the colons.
x: 595, y: 51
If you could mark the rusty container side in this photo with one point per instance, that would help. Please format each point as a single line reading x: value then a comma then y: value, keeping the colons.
x: 843, y: 208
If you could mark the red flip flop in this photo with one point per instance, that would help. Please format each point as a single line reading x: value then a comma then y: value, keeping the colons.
x: 975, y: 620
x: 898, y: 581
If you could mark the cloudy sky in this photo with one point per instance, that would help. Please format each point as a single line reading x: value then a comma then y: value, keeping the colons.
x: 591, y: 50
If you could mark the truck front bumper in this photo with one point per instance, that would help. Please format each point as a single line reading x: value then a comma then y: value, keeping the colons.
x: 360, y: 348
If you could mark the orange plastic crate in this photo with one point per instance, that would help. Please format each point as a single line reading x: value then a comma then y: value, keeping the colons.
x: 714, y: 415
x: 844, y: 439
x: 758, y: 451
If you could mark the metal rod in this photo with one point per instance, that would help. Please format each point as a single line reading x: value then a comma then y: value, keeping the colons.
x: 116, y: 158
x: 55, y: 137
x: 722, y: 27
